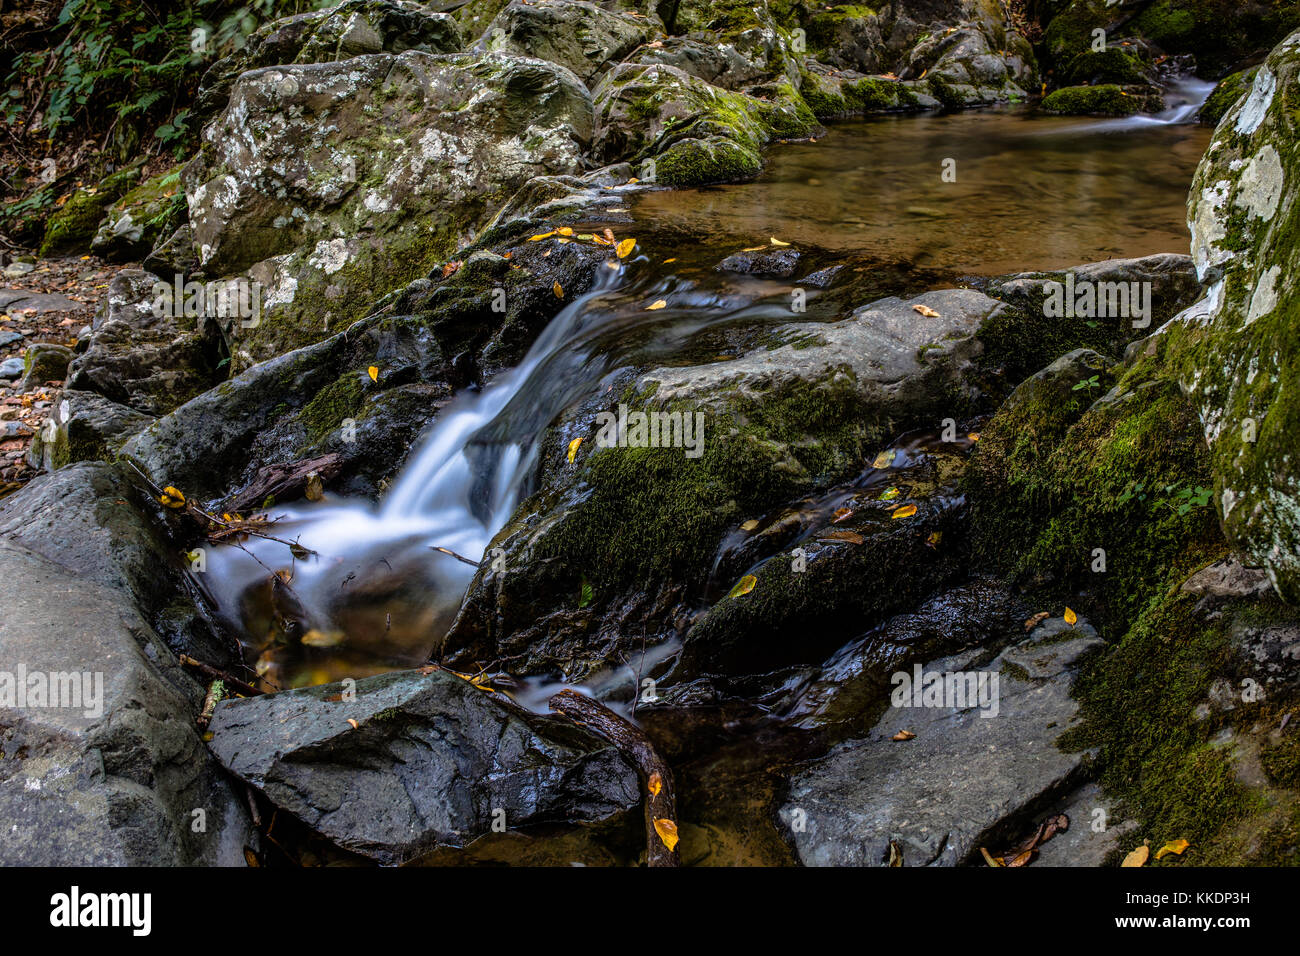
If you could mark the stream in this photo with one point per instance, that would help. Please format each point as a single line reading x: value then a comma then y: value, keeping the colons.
x: 1030, y: 192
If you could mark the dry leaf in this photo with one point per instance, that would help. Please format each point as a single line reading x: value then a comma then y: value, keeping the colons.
x: 655, y: 784
x: 540, y: 236
x: 850, y: 536
x: 933, y: 538
x: 903, y: 735
x: 1037, y: 619
x: 1176, y: 847
x: 749, y: 525
x: 315, y: 489
x: 777, y: 242
x: 1022, y: 859
x: 565, y: 231
x: 990, y: 859
x: 905, y: 511
x: 667, y: 261
x: 743, y: 586
x: 667, y: 831
x: 573, y: 448
x: 842, y: 514
x: 558, y: 290
x: 895, y: 853
x: 355, y: 725
x: 926, y: 311
x: 373, y: 372
x: 1138, y: 857
x: 171, y: 498
x: 656, y: 305
x: 624, y: 248
x: 973, y: 436
x: 1070, y: 617
x: 315, y: 638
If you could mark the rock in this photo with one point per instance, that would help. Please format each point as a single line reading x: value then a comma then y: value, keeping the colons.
x: 1114, y: 65
x: 778, y: 263
x: 72, y: 225
x: 1228, y: 578
x: 15, y: 430
x: 418, y: 760
x: 345, y: 30
x: 805, y: 409
x: 174, y: 255
x: 572, y: 33
x: 1225, y: 94
x: 1108, y: 99
x: 16, y: 270
x: 44, y: 362
x: 134, y: 223
x: 694, y: 132
x: 141, y: 357
x: 11, y: 368
x: 963, y: 779
x: 9, y: 338
x: 122, y: 778
x: 1097, y: 829
x: 12, y: 300
x: 333, y: 184
x: 83, y: 426
x: 1233, y: 350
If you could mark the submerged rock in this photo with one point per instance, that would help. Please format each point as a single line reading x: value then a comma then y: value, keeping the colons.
x: 417, y: 760
x: 980, y: 762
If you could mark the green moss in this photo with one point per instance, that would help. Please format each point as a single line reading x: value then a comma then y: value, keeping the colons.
x: 1112, y: 65
x: 332, y: 404
x: 72, y: 225
x: 1222, y: 98
x: 695, y: 162
x: 1282, y: 762
x: 1105, y: 100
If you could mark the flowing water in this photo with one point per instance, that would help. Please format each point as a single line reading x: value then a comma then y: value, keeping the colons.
x: 1031, y: 192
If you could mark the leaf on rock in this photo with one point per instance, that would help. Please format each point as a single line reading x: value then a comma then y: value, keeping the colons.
x: 1070, y: 617
x: 749, y: 525
x: 656, y: 305
x: 667, y: 831
x: 890, y: 494
x: 655, y: 784
x: 926, y: 311
x: 1176, y: 847
x: 904, y: 511
x: 903, y: 735
x: 558, y: 290
x: 895, y: 853
x: 353, y: 722
x: 171, y: 497
x: 1037, y: 619
x: 842, y: 514
x: 373, y: 372
x: 624, y: 248
x: 743, y: 586
x: 777, y: 242
x: 585, y: 594
x: 990, y: 859
x: 541, y: 235
x: 1138, y: 857
x: 885, y: 459
x: 850, y: 536
x: 315, y: 489
x: 573, y: 448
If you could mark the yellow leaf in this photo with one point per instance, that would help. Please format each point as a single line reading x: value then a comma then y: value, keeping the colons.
x: 315, y: 638
x: 655, y: 785
x: 904, y: 511
x: 656, y: 305
x: 540, y: 236
x: 743, y: 586
x: 172, y: 498
x: 558, y: 290
x: 1070, y: 617
x: 1176, y: 847
x: 749, y: 525
x: 973, y: 436
x: 903, y: 735
x: 990, y: 859
x: 926, y: 311
x: 573, y: 448
x: 777, y: 242
x: 565, y: 231
x: 673, y: 259
x: 667, y: 831
x: 890, y: 494
x: 373, y: 372
x: 934, y: 538
x: 355, y: 725
x: 1138, y: 857
x: 624, y: 248
x: 884, y: 459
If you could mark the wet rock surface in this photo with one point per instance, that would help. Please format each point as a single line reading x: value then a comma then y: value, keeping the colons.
x: 418, y: 760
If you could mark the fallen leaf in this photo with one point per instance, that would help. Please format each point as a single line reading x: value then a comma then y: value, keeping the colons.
x: 315, y: 489
x: 903, y: 735
x: 743, y: 586
x: 315, y: 638
x: 624, y: 248
x: 1070, y: 617
x: 558, y: 290
x: 540, y: 236
x: 890, y: 494
x: 656, y: 305
x: 667, y: 261
x: 171, y: 498
x: 926, y: 311
x: 353, y: 722
x: 842, y: 514
x: 749, y: 525
x: 1176, y: 847
x: 1138, y: 857
x: 373, y: 372
x: 656, y: 784
x: 933, y: 538
x: 565, y: 231
x: 904, y: 511
x: 990, y: 859
x: 973, y: 436
x: 895, y: 853
x: 777, y: 242
x: 884, y: 459
x: 667, y: 831
x: 1023, y: 858
x: 1037, y: 619
x: 573, y: 448
x: 851, y: 537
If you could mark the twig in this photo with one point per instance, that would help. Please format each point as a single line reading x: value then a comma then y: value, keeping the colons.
x: 212, y: 673
x: 458, y: 557
x: 631, y: 741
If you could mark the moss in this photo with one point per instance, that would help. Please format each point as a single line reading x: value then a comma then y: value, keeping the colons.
x: 695, y: 162
x: 1222, y: 98
x: 331, y: 405
x: 1112, y: 65
x: 72, y: 225
x: 946, y: 94
x: 1105, y: 100
x: 1282, y: 762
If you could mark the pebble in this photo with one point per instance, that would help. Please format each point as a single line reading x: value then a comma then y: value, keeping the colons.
x: 15, y: 430
x: 16, y: 269
x: 11, y: 368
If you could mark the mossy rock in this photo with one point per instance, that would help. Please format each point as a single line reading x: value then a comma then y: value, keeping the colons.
x: 1107, y: 99
x: 1112, y: 65
x: 1225, y: 94
x: 132, y: 225
x: 72, y: 225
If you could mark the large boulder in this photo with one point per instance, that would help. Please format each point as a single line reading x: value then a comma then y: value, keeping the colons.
x: 1236, y: 351
x: 330, y: 185
x: 416, y: 760
x: 108, y: 767
x: 581, y: 36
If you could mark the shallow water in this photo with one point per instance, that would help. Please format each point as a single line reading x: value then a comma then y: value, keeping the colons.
x: 1031, y: 192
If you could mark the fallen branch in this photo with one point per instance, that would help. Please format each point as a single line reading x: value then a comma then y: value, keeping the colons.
x: 212, y: 673
x: 458, y: 557
x: 656, y: 778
